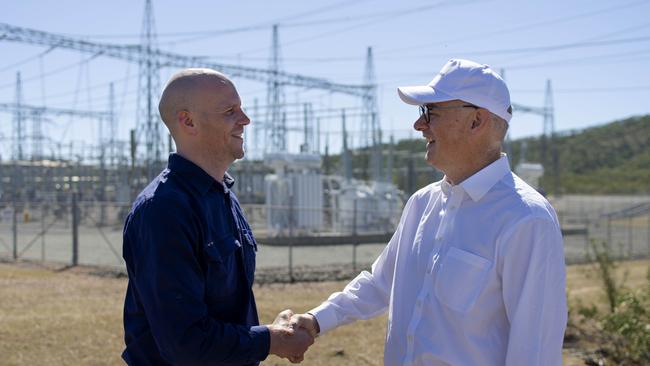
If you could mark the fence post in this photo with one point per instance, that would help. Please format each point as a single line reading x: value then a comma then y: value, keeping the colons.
x: 42, y: 233
x: 291, y: 223
x: 354, y: 236
x: 75, y: 230
x: 14, y: 230
x: 587, y: 237
x: 630, y: 234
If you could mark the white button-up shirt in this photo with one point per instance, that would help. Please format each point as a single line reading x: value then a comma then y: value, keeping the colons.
x: 474, y: 275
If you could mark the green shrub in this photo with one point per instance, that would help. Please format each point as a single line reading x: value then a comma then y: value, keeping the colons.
x: 629, y: 328
x: 626, y: 328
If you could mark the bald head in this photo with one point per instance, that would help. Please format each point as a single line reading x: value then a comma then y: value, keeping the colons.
x: 182, y: 90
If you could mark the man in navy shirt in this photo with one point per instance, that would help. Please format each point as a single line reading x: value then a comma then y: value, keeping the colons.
x: 189, y: 252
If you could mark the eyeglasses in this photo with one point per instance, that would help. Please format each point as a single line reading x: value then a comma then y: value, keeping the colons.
x: 425, y: 110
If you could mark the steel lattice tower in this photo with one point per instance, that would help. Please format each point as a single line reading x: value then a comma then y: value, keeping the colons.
x: 370, y: 133
x: 549, y: 142
x: 276, y: 124
x: 148, y: 121
x: 18, y: 133
x: 112, y: 127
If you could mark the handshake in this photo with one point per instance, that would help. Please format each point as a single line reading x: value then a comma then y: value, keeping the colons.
x: 292, y: 334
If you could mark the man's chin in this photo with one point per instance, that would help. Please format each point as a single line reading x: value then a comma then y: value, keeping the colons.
x: 431, y: 160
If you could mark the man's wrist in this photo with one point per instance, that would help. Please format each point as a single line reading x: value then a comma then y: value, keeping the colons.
x: 316, y: 325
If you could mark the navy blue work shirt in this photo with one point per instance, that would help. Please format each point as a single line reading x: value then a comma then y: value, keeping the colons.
x: 190, y: 257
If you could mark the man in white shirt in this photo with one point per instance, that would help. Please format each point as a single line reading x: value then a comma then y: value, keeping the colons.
x: 475, y: 273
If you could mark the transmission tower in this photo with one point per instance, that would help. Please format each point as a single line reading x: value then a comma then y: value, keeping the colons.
x: 148, y: 121
x: 370, y: 133
x: 150, y: 59
x: 11, y: 33
x: 37, y: 137
x: 112, y: 125
x: 549, y: 153
x: 345, y: 156
x: 275, y: 118
x: 18, y: 134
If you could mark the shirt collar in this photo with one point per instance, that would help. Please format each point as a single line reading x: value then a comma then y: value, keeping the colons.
x: 482, y: 181
x: 195, y: 176
x: 228, y: 182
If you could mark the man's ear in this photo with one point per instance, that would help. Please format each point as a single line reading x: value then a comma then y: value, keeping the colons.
x: 481, y: 119
x: 185, y: 122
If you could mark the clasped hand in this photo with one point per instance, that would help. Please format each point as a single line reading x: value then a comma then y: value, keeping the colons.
x: 291, y: 336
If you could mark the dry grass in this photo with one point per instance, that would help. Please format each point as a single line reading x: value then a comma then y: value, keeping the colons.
x: 72, y: 318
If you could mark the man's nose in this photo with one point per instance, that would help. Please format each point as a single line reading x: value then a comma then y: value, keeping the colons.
x: 420, y: 124
x: 244, y: 120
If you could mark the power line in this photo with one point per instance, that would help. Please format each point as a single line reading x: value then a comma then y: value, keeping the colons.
x: 596, y: 59
x: 27, y: 60
x: 139, y: 54
x: 400, y: 57
x: 587, y: 90
x: 617, y: 57
x: 548, y: 48
x: 374, y: 19
x: 219, y: 32
x: 595, y: 38
x: 522, y: 27
x: 53, y: 72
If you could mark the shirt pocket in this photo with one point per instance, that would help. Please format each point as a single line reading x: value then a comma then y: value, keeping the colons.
x: 461, y: 278
x: 222, y: 275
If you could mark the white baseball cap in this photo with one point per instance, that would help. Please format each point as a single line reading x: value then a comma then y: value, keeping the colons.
x: 465, y: 80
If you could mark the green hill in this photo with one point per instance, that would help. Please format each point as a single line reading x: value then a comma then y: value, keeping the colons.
x: 608, y: 159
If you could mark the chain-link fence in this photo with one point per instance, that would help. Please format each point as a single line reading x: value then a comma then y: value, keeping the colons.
x: 292, y: 240
x: 71, y: 233
x: 621, y: 223
x: 298, y: 242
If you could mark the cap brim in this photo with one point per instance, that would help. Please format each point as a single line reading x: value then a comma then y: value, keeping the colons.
x: 420, y: 95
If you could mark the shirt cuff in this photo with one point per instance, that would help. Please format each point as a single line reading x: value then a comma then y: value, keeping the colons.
x: 326, y: 317
x: 260, y: 342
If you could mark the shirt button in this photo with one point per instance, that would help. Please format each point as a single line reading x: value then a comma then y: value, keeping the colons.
x: 410, y: 338
x: 237, y: 242
x: 418, y: 303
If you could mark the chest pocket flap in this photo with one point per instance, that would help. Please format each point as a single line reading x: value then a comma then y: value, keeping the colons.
x: 221, y: 249
x: 461, y: 279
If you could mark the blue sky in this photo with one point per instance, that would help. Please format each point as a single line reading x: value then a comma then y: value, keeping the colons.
x: 596, y: 54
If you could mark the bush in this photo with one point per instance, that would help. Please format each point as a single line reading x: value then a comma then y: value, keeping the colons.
x: 626, y: 328
x: 629, y: 328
